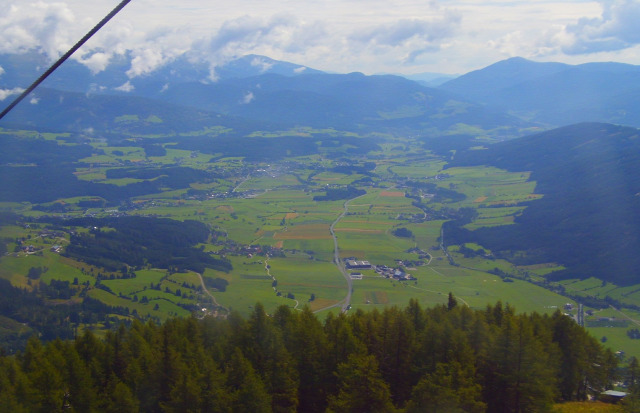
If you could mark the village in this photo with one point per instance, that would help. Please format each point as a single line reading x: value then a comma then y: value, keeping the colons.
x: 397, y: 273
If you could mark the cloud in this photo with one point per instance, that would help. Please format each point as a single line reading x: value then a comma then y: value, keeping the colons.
x: 406, y: 29
x: 126, y: 87
x: 145, y: 61
x: 407, y: 39
x: 34, y: 100
x: 274, y: 36
x: 1, y: 71
x: 96, y: 62
x: 5, y: 93
x: 615, y: 29
x: 36, y: 26
x: 262, y: 64
x: 248, y: 98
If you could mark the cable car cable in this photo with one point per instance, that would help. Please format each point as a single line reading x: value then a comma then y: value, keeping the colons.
x: 64, y: 57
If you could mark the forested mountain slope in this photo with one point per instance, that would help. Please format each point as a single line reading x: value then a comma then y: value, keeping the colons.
x: 588, y: 218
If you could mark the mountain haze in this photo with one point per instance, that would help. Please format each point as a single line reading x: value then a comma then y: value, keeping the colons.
x: 554, y: 93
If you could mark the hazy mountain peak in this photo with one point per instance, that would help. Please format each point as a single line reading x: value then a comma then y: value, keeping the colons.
x: 255, y: 65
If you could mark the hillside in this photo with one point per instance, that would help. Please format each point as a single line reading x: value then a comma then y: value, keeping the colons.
x: 587, y: 220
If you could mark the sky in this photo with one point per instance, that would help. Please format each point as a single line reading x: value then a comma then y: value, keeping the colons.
x: 369, y: 36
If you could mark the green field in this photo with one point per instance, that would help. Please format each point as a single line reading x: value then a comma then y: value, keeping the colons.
x: 271, y: 204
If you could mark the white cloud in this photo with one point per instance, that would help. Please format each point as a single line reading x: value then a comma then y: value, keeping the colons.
x: 404, y: 30
x: 615, y: 29
x: 126, y: 87
x: 5, y: 93
x: 299, y: 70
x: 248, y: 98
x: 96, y: 62
x: 335, y: 35
x: 262, y: 64
x: 34, y: 100
x: 44, y: 26
x: 1, y: 71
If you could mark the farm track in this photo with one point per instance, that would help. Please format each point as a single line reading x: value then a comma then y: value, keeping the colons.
x: 440, y: 293
x: 634, y: 321
x: 204, y: 288
x: 268, y: 270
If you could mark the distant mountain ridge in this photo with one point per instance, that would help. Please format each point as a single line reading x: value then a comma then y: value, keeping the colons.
x: 255, y: 88
x: 555, y: 93
x: 22, y: 69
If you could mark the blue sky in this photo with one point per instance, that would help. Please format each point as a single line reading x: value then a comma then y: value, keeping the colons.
x: 370, y: 36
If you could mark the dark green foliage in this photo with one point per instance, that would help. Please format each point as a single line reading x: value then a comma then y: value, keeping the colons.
x: 35, y: 272
x: 48, y: 321
x: 402, y: 233
x: 219, y: 284
x: 40, y: 151
x: 336, y: 194
x: 136, y: 241
x: 174, y: 177
x: 361, y: 387
x: 435, y: 360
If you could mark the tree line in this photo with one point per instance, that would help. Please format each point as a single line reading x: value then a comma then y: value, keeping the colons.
x: 444, y: 359
x: 138, y: 241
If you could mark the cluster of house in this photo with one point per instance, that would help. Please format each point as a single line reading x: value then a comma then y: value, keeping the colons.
x: 385, y: 271
x: 395, y: 273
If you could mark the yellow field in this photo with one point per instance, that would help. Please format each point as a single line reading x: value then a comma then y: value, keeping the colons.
x: 392, y: 194
x: 587, y: 407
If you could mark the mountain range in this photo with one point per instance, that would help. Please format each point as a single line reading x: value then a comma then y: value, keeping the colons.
x: 588, y: 172
x: 512, y: 96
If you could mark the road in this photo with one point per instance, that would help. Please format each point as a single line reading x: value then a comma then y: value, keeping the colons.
x: 204, y: 288
x: 346, y: 303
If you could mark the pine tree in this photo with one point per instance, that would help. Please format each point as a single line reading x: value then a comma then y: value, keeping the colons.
x: 451, y: 302
x: 450, y: 389
x: 248, y: 391
x: 361, y: 387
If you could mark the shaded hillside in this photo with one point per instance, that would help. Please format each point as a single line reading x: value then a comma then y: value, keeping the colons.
x: 588, y: 218
x: 352, y: 102
x: 555, y: 93
x: 50, y: 109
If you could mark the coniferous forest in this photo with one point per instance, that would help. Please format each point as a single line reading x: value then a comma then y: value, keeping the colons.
x: 443, y: 359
